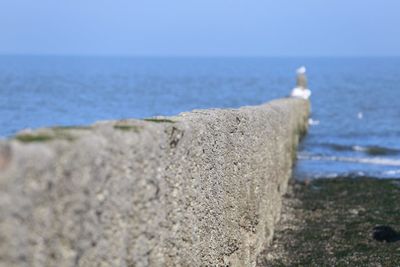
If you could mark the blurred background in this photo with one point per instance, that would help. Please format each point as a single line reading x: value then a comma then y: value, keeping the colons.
x: 76, y: 62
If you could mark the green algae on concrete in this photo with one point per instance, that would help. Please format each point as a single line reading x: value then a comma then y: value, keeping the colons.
x: 29, y: 138
x: 328, y: 222
x: 56, y: 133
x: 123, y: 127
x: 159, y: 120
x: 69, y: 133
x: 67, y: 128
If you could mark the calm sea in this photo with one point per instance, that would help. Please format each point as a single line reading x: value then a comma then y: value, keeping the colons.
x: 355, y: 101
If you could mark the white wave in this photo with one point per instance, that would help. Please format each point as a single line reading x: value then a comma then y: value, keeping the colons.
x: 313, y: 122
x: 392, y: 172
x: 359, y: 148
x: 375, y: 161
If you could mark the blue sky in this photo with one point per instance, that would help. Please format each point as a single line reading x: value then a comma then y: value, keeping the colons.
x: 201, y: 27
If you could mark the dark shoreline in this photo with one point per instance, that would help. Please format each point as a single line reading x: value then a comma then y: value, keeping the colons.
x: 329, y: 222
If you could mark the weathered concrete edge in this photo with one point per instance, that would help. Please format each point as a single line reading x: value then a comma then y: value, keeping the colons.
x: 202, y: 188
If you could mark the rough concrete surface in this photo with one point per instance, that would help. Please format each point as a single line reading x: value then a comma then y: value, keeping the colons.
x: 200, y: 189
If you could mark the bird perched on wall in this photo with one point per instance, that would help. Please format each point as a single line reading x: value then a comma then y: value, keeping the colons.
x: 301, y: 90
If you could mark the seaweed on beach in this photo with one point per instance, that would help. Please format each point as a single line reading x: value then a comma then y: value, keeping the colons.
x: 334, y: 222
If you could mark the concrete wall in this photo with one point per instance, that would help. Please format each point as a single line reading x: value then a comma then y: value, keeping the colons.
x: 202, y: 188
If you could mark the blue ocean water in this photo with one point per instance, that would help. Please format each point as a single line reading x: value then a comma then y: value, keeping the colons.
x: 355, y: 101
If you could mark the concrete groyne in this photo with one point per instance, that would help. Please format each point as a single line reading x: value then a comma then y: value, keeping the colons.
x: 199, y: 189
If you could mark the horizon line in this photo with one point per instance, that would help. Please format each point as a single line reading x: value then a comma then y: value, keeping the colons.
x: 2, y: 54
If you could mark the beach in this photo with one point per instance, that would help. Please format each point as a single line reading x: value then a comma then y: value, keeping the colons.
x: 330, y: 222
